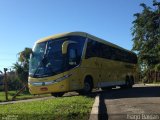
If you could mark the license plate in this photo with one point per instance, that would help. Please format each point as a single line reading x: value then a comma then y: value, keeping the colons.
x: 44, y: 89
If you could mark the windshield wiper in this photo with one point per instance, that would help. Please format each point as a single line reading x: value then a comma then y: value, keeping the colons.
x: 43, y: 63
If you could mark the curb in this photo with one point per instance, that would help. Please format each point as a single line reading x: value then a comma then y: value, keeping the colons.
x: 95, y: 109
x: 152, y: 84
x: 27, y: 100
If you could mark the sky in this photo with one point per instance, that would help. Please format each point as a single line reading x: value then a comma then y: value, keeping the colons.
x: 23, y: 22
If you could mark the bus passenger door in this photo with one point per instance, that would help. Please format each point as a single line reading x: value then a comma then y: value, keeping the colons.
x: 75, y: 81
x: 74, y: 61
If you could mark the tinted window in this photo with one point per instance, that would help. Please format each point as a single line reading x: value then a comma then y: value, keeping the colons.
x: 77, y: 48
x: 80, y: 44
x: 47, y: 58
x: 105, y: 51
x: 93, y: 49
x: 97, y: 49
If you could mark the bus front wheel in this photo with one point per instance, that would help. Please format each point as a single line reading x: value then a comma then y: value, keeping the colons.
x: 88, y: 85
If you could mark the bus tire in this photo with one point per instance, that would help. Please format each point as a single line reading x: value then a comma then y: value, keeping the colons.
x: 127, y: 83
x: 106, y: 88
x: 88, y: 85
x: 60, y: 94
x: 132, y: 80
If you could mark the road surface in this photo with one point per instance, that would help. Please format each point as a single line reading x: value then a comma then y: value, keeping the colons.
x: 139, y: 103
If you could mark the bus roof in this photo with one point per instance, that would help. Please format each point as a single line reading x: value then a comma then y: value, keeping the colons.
x: 84, y: 34
x: 62, y: 35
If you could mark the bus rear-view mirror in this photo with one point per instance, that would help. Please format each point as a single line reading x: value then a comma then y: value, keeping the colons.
x: 65, y: 46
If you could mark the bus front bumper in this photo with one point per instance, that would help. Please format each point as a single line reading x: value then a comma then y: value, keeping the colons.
x: 48, y: 87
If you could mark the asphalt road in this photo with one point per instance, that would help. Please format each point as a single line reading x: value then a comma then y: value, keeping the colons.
x: 138, y: 103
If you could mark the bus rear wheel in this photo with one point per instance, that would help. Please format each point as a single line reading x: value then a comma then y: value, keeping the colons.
x: 128, y: 83
x: 60, y: 94
x: 132, y: 80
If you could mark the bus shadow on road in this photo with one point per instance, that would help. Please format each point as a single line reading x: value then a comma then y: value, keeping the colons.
x: 117, y: 93
x: 136, y: 92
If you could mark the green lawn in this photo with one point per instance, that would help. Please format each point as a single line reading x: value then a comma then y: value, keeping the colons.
x: 156, y: 82
x: 64, y: 108
x: 19, y: 97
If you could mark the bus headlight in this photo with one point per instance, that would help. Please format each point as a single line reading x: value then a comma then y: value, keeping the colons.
x: 49, y: 82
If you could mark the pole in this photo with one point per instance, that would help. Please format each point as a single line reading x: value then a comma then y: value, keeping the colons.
x: 5, y: 83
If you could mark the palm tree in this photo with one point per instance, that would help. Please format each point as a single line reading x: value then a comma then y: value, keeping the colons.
x: 22, y: 66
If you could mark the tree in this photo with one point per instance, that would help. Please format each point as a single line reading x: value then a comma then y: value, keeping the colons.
x: 146, y: 37
x: 22, y: 66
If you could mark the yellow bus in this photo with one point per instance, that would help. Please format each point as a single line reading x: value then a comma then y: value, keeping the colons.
x: 78, y: 61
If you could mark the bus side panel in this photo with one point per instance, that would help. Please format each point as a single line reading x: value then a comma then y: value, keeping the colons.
x: 89, y: 67
x: 113, y: 72
x: 74, y: 80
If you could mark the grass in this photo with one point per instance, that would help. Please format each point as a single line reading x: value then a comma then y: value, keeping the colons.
x: 64, y: 108
x: 141, y: 82
x: 156, y: 82
x: 21, y: 96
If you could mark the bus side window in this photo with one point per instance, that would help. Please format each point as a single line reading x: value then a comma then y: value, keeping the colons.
x: 72, y: 56
x: 92, y: 49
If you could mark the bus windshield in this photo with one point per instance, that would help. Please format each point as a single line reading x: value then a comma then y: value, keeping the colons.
x: 47, y: 58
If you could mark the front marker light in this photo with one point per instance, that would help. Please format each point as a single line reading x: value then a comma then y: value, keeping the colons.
x: 62, y: 78
x: 50, y: 82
